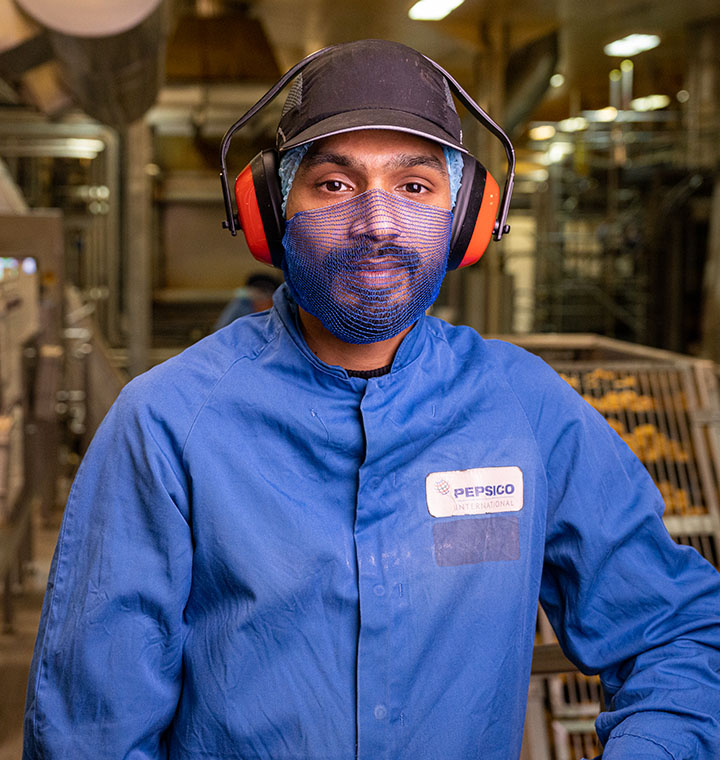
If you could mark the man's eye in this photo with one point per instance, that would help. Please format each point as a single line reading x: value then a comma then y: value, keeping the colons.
x: 414, y: 187
x: 333, y: 185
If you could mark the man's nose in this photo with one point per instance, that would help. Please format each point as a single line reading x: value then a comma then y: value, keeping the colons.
x: 378, y: 218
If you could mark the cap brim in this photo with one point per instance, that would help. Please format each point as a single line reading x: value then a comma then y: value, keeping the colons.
x: 376, y: 118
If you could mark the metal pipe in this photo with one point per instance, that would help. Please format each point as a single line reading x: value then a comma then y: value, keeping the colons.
x: 111, y: 54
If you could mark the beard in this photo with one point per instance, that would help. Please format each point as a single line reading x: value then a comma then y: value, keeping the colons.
x: 380, y: 285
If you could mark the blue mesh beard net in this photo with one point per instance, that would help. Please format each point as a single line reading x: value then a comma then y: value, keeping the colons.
x: 367, y: 267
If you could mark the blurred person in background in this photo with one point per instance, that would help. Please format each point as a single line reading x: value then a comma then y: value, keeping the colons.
x: 256, y: 295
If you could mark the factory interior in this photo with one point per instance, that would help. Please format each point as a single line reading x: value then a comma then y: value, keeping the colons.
x: 113, y: 257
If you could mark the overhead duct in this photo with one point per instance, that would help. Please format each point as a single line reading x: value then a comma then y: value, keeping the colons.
x: 28, y: 71
x: 111, y: 55
x: 527, y: 79
x: 199, y: 51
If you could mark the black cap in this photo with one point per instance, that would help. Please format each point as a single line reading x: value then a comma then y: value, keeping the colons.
x: 369, y: 84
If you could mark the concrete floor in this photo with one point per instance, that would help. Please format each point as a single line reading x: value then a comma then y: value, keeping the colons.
x: 16, y: 648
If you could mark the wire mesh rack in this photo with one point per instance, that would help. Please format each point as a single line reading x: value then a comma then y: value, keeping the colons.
x: 666, y: 407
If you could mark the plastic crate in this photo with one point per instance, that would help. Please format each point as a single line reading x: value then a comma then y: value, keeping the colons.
x: 666, y: 407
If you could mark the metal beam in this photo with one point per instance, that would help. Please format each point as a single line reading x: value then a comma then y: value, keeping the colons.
x: 137, y: 245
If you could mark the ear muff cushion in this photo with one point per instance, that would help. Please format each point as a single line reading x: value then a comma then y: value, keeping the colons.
x: 259, y: 204
x: 475, y: 214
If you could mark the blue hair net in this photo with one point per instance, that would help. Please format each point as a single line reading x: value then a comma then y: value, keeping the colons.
x: 289, y: 163
x: 454, y: 163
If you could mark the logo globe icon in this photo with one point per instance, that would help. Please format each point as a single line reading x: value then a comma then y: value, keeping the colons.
x: 442, y: 486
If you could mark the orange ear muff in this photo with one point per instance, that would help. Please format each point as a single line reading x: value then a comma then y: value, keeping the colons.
x: 475, y: 214
x: 259, y: 203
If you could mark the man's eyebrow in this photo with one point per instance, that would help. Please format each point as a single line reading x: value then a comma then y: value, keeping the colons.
x: 339, y: 159
x: 400, y: 161
x: 407, y: 161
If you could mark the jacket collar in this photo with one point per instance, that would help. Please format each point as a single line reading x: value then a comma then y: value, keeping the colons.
x: 286, y: 311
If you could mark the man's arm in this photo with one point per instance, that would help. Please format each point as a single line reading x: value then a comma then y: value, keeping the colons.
x: 624, y: 599
x: 105, y: 678
x: 630, y: 604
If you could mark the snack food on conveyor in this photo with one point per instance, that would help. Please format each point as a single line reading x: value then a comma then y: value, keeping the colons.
x: 649, y: 443
x: 677, y: 500
x: 620, y: 401
x: 619, y: 395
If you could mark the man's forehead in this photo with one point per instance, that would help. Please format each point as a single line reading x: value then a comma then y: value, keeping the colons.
x: 393, y: 149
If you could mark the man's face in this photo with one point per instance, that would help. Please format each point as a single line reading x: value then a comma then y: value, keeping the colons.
x: 368, y: 226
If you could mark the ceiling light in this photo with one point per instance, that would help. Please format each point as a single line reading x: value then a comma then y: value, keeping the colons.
x: 542, y: 132
x: 573, y: 124
x: 632, y: 45
x: 683, y: 96
x: 650, y: 103
x: 433, y: 10
x: 557, y: 80
x: 29, y: 265
x: 606, y: 114
x: 557, y: 152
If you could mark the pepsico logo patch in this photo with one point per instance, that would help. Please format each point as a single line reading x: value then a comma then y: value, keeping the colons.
x: 477, y: 491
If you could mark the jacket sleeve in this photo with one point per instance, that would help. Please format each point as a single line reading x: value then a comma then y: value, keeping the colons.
x: 625, y: 600
x: 105, y: 677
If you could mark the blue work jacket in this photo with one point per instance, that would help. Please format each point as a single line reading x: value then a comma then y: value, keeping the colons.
x: 263, y: 558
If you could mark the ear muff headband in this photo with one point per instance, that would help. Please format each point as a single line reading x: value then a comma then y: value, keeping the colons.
x: 491, y: 218
x: 231, y: 220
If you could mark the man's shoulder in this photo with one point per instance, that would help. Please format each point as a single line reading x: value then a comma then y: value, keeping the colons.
x: 180, y: 385
x: 500, y: 354
x: 529, y: 377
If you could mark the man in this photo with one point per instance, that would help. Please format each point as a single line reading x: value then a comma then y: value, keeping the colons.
x: 322, y: 532
x: 255, y: 295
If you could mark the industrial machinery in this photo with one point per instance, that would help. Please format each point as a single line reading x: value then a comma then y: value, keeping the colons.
x: 19, y: 323
x: 56, y: 383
